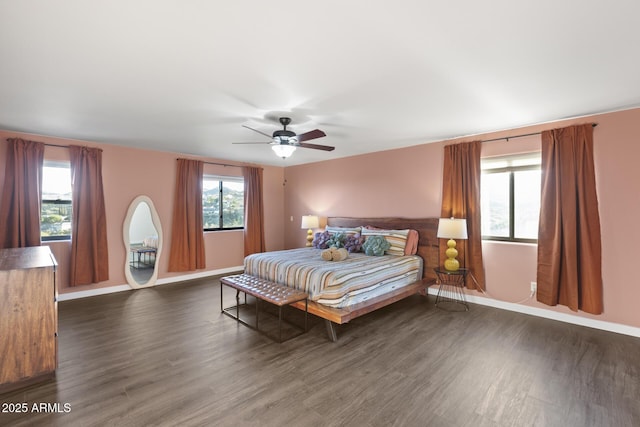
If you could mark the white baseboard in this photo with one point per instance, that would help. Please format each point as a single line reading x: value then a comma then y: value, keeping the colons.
x: 120, y: 288
x: 93, y: 292
x: 200, y: 275
x: 549, y: 314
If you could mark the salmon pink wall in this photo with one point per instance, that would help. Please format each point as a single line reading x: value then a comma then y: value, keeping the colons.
x: 408, y: 182
x: 404, y: 182
x: 129, y: 172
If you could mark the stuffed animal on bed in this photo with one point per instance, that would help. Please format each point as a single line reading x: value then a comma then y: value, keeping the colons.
x: 375, y: 245
x: 334, y: 254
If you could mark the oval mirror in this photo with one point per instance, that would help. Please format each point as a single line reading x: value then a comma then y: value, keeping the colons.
x: 142, y: 236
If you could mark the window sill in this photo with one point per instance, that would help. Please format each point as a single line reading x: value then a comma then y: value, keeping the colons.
x: 223, y: 230
x: 504, y: 242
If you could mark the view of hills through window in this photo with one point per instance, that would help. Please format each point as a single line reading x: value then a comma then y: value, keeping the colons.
x: 55, y: 212
x: 222, y: 203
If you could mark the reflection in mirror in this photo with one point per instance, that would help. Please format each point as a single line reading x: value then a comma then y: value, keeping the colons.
x: 142, y: 236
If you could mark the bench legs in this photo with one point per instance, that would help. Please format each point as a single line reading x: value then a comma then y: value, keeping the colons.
x: 228, y: 311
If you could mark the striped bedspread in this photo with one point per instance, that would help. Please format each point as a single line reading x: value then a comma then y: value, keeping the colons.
x: 336, y: 284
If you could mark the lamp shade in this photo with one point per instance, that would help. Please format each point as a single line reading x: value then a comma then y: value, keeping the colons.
x: 310, y: 221
x: 452, y: 228
x: 283, y: 150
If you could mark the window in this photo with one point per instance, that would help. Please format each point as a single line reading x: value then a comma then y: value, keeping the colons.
x: 55, y: 212
x: 222, y: 203
x: 510, y: 197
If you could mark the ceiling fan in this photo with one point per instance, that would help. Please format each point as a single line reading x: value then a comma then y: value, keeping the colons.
x: 284, y: 142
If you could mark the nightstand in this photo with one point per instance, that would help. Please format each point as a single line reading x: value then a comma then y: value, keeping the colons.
x: 451, y: 288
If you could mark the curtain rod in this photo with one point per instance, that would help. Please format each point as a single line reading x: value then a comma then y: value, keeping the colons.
x: 233, y: 166
x: 221, y: 164
x: 218, y: 164
x: 519, y: 136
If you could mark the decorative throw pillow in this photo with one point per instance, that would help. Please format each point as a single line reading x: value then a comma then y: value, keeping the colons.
x: 353, y: 243
x: 336, y: 240
x: 375, y: 245
x: 320, y: 241
x: 397, y: 239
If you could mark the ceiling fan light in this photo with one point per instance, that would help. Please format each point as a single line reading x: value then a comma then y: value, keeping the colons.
x: 283, y: 150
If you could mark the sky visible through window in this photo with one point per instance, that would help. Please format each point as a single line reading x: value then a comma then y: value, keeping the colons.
x: 56, y: 183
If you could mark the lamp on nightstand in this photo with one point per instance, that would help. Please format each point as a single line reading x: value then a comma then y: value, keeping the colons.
x: 310, y: 222
x: 452, y: 228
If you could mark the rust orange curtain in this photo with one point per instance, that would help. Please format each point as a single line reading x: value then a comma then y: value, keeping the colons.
x: 253, y: 211
x: 461, y: 199
x: 89, y: 249
x: 569, y: 246
x: 187, y: 235
x: 22, y: 194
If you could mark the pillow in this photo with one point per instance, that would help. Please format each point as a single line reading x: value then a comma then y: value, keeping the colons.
x: 412, y: 243
x: 336, y: 240
x: 353, y: 242
x: 397, y: 239
x: 150, y: 242
x: 321, y: 239
x: 413, y: 238
x: 345, y: 230
x: 375, y: 245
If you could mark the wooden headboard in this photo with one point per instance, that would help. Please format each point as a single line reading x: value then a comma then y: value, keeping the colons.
x: 427, y: 229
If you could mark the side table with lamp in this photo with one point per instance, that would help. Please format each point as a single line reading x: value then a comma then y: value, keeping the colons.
x: 452, y: 276
x: 452, y: 283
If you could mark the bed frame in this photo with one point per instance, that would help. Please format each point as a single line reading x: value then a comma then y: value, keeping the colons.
x: 427, y: 249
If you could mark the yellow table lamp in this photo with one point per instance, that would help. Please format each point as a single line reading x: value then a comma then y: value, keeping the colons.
x: 452, y: 228
x: 310, y: 222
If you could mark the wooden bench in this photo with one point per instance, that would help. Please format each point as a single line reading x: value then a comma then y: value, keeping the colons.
x: 262, y: 290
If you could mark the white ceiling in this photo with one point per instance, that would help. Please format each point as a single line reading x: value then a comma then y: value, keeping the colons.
x: 185, y: 76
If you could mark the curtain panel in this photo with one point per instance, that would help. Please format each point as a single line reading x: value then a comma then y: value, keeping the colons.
x: 187, y: 235
x: 89, y: 248
x: 461, y: 199
x: 569, y: 243
x: 22, y: 194
x: 253, y: 211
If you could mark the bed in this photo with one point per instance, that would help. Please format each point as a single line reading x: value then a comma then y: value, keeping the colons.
x: 343, y: 290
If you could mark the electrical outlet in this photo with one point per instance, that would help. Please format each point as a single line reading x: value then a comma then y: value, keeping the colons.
x: 534, y: 286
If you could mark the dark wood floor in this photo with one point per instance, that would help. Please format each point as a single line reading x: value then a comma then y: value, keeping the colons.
x: 167, y: 356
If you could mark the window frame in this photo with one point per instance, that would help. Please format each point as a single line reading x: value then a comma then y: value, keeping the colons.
x: 62, y: 202
x: 221, y: 180
x: 511, y: 169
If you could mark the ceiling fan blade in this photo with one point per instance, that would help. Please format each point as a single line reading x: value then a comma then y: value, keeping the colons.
x: 316, y: 146
x: 259, y: 131
x: 312, y: 134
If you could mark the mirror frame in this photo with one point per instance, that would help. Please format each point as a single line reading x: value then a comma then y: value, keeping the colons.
x: 155, y: 219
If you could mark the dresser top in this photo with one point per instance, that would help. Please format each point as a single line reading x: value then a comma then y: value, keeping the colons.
x: 22, y: 258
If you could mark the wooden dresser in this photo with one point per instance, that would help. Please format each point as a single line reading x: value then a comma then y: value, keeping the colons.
x: 28, y: 316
